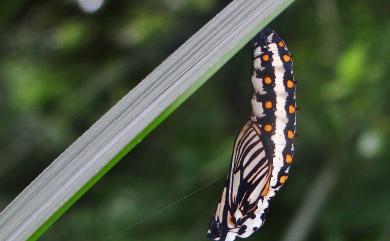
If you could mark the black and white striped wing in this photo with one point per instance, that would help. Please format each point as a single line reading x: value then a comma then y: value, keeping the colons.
x: 241, y: 209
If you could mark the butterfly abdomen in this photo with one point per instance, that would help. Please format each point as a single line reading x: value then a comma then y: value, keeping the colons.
x: 273, y: 102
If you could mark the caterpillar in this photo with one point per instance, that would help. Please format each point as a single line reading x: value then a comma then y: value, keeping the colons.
x: 263, y: 150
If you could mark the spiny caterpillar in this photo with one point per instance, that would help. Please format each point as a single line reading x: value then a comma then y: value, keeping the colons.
x: 263, y: 150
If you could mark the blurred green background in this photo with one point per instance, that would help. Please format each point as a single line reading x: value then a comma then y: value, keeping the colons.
x: 65, y: 63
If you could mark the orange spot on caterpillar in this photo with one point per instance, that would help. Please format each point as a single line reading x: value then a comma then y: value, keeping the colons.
x: 290, y: 84
x: 283, y: 179
x: 265, y: 57
x: 267, y: 80
x: 286, y: 58
x: 268, y: 105
x: 268, y: 128
x: 291, y: 109
x: 289, y: 158
x: 290, y: 134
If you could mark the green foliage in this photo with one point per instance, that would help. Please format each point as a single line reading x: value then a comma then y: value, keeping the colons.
x: 61, y: 69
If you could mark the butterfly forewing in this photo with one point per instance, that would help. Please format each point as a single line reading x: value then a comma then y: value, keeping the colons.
x: 247, y: 182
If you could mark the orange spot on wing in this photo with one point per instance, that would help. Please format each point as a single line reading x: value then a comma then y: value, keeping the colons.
x: 281, y: 44
x: 265, y: 190
x: 231, y: 221
x: 265, y: 57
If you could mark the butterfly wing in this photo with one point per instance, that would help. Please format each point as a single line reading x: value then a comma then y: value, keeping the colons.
x: 238, y: 212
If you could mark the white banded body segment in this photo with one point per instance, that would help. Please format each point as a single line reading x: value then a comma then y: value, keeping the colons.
x: 282, y: 93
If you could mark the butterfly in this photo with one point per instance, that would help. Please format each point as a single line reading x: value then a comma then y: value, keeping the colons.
x: 263, y: 150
